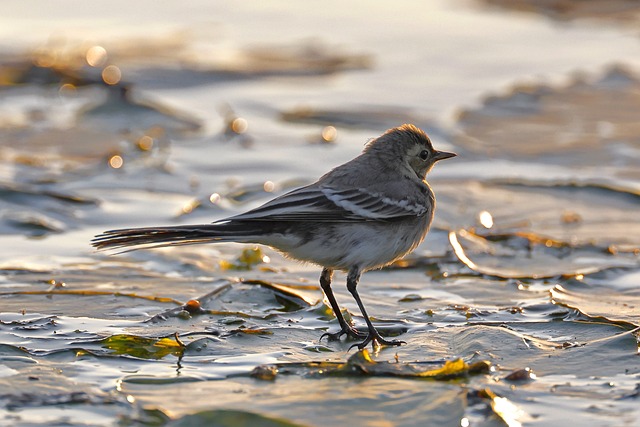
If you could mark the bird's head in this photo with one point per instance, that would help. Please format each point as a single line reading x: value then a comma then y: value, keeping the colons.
x: 411, y: 147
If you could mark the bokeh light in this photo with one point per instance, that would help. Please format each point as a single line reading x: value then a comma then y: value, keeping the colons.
x: 111, y: 75
x: 486, y: 219
x: 214, y: 198
x: 189, y: 207
x: 96, y: 56
x: 239, y: 125
x: 45, y: 58
x: 67, y: 89
x: 145, y: 143
x: 116, y: 161
x: 329, y: 134
x: 269, y: 186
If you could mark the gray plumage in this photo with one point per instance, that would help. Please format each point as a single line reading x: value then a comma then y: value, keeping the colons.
x: 362, y: 215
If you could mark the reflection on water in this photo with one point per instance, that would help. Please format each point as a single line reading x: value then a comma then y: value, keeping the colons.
x: 521, y: 307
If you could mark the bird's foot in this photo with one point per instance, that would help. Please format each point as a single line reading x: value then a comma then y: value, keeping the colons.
x: 374, y: 338
x: 345, y: 330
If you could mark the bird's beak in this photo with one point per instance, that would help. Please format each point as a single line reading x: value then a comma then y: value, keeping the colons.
x: 441, y: 155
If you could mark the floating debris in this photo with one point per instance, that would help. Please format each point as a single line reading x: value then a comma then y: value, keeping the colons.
x: 248, y: 259
x: 362, y: 364
x: 521, y: 375
x: 193, y: 306
x: 143, y: 348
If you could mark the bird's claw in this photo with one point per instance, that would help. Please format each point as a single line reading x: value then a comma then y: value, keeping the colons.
x: 345, y: 330
x: 376, y: 341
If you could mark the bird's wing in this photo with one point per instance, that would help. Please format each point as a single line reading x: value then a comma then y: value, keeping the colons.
x: 328, y: 204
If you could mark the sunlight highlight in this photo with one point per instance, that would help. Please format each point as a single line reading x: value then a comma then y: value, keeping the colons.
x: 67, y: 89
x: 269, y: 186
x: 239, y: 125
x: 329, y: 134
x: 190, y: 206
x: 111, y: 75
x: 145, y: 143
x: 116, y: 162
x: 214, y: 198
x: 485, y: 219
x: 507, y: 411
x: 96, y: 56
x: 457, y: 248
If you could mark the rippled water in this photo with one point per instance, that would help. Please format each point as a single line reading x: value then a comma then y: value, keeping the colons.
x: 521, y: 307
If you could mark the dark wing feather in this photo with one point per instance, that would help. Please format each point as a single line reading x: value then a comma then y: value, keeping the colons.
x: 327, y: 204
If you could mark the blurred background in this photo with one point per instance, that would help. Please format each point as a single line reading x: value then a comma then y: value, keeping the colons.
x: 119, y: 114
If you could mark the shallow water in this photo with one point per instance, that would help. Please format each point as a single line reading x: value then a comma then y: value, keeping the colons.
x: 521, y: 307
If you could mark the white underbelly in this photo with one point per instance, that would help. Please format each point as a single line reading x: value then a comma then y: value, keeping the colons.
x: 347, y: 245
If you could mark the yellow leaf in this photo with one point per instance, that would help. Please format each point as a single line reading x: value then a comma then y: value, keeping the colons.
x: 451, y: 367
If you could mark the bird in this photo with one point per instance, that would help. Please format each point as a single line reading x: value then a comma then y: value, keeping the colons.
x: 360, y: 216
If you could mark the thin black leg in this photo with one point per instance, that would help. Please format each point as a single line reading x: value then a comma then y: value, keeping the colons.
x: 373, y: 336
x: 345, y: 328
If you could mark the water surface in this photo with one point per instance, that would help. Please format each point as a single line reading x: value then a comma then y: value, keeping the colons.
x: 520, y: 308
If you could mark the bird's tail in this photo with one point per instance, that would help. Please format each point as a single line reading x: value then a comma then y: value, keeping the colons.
x: 154, y: 237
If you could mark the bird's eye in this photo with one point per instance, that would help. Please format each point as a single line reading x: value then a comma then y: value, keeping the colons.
x: 424, y: 154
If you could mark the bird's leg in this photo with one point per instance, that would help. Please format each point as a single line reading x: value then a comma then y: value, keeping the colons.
x: 345, y: 328
x: 373, y: 336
